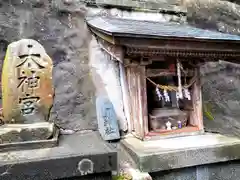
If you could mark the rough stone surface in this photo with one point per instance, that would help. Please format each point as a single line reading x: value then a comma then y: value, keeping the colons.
x: 171, y: 5
x: 59, y: 26
x: 221, y: 97
x: 220, y: 15
x: 219, y: 171
x: 183, y: 174
x: 61, y: 30
x: 141, y: 14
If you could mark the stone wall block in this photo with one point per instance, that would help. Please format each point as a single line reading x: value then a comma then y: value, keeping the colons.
x: 61, y: 29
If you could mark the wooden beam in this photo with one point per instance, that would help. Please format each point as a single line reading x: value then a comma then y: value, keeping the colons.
x: 115, y: 51
x: 180, y: 43
x: 181, y: 48
x: 103, y: 36
x: 164, y: 72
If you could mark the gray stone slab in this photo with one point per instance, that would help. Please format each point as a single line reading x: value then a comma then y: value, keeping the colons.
x: 218, y: 171
x: 183, y: 174
x: 202, y: 173
x: 165, y: 154
x: 224, y: 171
x: 99, y: 176
x: 59, y: 162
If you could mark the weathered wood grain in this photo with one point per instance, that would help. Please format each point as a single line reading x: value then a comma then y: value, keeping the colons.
x: 138, y: 98
x: 196, y: 116
x: 164, y: 72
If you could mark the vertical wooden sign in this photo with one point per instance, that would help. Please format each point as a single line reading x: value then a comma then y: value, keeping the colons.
x: 27, y: 90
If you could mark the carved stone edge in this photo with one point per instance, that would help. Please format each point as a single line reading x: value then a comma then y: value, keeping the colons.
x: 48, y: 143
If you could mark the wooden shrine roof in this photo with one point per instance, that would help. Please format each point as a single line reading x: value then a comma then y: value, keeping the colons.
x: 127, y: 27
x: 148, y: 38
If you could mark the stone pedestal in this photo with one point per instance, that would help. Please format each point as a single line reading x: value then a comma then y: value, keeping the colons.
x: 28, y: 136
x: 77, y: 155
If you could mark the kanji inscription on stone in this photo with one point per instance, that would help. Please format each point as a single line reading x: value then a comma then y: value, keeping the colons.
x: 27, y: 90
x: 107, y: 119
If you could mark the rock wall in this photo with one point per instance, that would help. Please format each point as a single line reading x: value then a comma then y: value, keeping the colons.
x: 220, y: 15
x: 220, y: 80
x: 61, y: 29
x: 59, y: 26
x: 145, y: 15
x: 221, y: 97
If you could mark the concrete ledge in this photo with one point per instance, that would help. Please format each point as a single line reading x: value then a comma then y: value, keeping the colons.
x: 173, y: 153
x: 76, y: 155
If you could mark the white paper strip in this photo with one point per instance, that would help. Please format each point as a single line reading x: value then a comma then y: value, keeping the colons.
x: 179, y: 80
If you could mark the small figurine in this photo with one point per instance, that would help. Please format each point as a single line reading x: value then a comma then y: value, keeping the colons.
x: 166, y: 96
x: 179, y: 124
x: 187, y: 93
x: 174, y: 127
x: 168, y: 124
x: 177, y: 95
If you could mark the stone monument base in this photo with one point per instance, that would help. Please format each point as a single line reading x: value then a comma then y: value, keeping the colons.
x: 82, y: 156
x: 28, y: 136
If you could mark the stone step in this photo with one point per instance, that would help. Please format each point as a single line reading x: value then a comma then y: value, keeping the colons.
x: 180, y: 152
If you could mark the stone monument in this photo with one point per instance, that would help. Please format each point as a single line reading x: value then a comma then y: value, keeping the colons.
x: 27, y: 95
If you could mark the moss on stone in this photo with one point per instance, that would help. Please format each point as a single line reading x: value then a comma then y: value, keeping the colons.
x: 122, y: 177
x: 207, y: 111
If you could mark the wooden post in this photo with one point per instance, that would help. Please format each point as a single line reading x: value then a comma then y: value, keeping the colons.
x: 196, y: 116
x: 125, y: 95
x: 138, y: 99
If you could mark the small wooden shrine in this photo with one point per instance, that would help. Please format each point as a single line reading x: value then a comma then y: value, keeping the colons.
x: 161, y: 62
